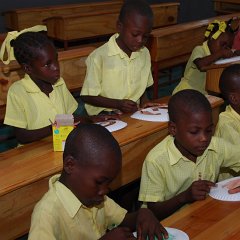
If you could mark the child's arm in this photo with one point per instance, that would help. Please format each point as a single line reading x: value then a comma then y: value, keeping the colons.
x: 208, y: 60
x: 124, y: 105
x: 197, y: 191
x: 26, y: 136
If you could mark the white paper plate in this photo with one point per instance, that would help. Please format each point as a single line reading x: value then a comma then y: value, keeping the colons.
x: 221, y: 193
x: 113, y: 125
x: 152, y: 114
x: 228, y: 60
x: 173, y: 233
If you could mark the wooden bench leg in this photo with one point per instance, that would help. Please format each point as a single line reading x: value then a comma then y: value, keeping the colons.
x: 155, y: 80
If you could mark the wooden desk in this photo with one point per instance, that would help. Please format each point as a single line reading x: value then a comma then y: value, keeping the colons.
x: 226, y: 6
x: 70, y: 27
x: 24, y: 171
x: 213, y: 76
x: 18, y: 19
x: 207, y: 220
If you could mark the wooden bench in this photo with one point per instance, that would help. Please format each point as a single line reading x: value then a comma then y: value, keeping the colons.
x: 70, y: 27
x: 24, y: 171
x: 226, y: 6
x: 173, y: 45
x: 21, y: 18
x: 72, y: 67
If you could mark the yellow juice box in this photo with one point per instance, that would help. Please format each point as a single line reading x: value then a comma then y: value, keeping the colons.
x: 63, y: 125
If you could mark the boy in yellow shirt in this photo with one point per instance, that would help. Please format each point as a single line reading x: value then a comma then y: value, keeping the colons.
x: 185, y: 165
x: 119, y: 72
x: 76, y: 206
x: 228, y: 126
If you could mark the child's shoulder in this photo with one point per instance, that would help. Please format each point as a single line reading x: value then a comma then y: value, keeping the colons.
x: 160, y: 152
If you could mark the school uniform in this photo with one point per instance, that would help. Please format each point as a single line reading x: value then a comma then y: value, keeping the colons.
x: 193, y: 78
x: 112, y: 74
x: 28, y: 107
x: 60, y: 215
x: 228, y: 128
x: 166, y: 172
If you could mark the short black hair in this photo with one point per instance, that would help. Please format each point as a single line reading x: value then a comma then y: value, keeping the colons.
x: 187, y: 101
x: 139, y: 6
x: 25, y: 46
x: 229, y: 80
x: 86, y: 141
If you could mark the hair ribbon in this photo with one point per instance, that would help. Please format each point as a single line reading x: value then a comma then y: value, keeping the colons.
x: 8, y: 49
x: 221, y: 29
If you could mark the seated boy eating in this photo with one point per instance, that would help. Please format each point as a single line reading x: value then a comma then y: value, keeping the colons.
x: 76, y: 206
x: 185, y: 165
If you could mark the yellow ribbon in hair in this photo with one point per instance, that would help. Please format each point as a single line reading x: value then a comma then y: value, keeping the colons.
x: 222, y: 27
x: 6, y: 47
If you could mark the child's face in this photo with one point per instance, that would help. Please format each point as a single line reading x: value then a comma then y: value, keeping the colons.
x: 134, y: 32
x: 90, y: 183
x: 46, y: 66
x: 193, y: 133
x: 224, y: 41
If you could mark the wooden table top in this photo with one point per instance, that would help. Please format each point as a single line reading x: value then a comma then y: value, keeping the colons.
x: 208, y: 219
x: 34, y: 161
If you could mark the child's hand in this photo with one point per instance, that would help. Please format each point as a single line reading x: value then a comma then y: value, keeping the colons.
x: 153, y: 104
x: 119, y: 233
x: 198, y: 190
x: 127, y: 106
x: 149, y: 226
x: 227, y: 53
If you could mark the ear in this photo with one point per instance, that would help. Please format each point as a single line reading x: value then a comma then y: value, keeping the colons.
x: 119, y: 26
x: 26, y: 68
x: 233, y: 99
x: 172, y: 128
x: 69, y: 164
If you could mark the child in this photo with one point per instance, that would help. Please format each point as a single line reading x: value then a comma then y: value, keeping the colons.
x: 119, y: 72
x: 76, y: 205
x: 34, y: 101
x: 218, y: 45
x: 184, y: 166
x: 228, y: 126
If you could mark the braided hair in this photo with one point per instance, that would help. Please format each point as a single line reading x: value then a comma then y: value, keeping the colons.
x: 27, y: 44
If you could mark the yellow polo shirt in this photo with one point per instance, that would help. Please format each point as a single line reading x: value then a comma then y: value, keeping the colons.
x: 193, y: 78
x: 60, y: 215
x: 28, y: 107
x: 228, y: 128
x: 112, y: 74
x: 166, y: 172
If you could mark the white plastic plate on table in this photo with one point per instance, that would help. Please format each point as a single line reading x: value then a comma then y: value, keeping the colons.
x: 221, y: 193
x: 228, y: 60
x: 113, y: 125
x: 173, y: 233
x: 152, y: 114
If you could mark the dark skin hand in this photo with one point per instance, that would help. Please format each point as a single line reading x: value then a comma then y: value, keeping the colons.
x: 143, y: 221
x: 197, y: 191
x: 208, y: 60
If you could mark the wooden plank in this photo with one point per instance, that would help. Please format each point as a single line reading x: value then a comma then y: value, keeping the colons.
x: 213, y: 219
x: 226, y: 6
x: 88, y: 25
x: 21, y: 18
